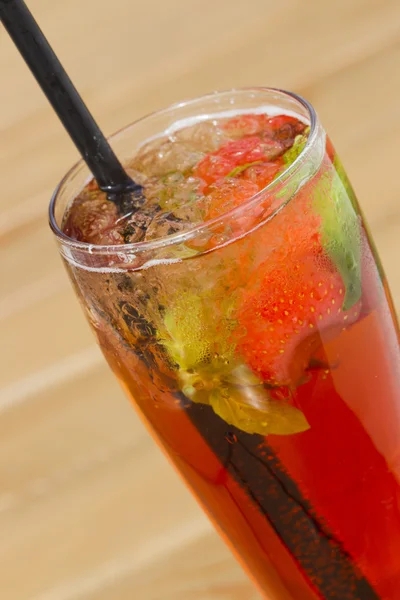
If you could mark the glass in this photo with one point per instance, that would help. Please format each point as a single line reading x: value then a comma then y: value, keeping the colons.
x: 261, y: 349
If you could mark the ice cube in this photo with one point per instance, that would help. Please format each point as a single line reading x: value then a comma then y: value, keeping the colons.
x: 167, y: 224
x: 206, y: 136
x: 166, y: 157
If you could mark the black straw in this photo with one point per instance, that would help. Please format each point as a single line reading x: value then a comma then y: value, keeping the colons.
x: 68, y: 104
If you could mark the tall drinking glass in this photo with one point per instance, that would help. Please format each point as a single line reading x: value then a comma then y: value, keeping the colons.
x: 261, y: 349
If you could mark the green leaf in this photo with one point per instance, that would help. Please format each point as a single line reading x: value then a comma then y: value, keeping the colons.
x: 241, y: 375
x: 186, y: 340
x: 241, y: 168
x: 343, y: 176
x: 253, y: 411
x: 237, y: 396
x: 194, y: 334
x: 334, y: 200
x: 296, y: 149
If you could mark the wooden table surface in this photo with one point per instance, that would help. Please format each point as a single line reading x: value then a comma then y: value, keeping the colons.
x: 89, y: 508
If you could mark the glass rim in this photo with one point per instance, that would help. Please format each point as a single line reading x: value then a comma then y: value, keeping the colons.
x: 182, y: 237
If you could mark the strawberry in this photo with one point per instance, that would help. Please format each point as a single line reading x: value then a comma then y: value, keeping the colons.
x: 228, y: 194
x: 213, y: 167
x: 249, y: 149
x: 233, y: 154
x: 252, y: 124
x: 290, y: 307
x: 281, y: 120
x: 263, y: 173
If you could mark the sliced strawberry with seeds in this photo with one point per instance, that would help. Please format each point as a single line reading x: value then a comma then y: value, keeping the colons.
x: 286, y: 314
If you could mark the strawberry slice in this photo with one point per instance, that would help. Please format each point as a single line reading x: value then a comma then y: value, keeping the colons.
x: 250, y: 149
x: 228, y: 194
x: 281, y: 120
x: 263, y: 173
x: 213, y: 167
x: 288, y: 310
x: 247, y: 150
x: 263, y: 139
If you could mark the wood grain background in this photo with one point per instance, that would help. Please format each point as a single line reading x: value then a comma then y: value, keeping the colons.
x: 89, y: 508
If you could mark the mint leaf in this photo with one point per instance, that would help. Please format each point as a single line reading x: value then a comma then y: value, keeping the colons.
x: 241, y: 168
x: 185, y: 339
x: 335, y: 201
x: 294, y: 151
x: 253, y: 411
x: 193, y: 334
x: 237, y: 396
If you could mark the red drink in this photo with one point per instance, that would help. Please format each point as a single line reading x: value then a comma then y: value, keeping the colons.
x: 251, y: 325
